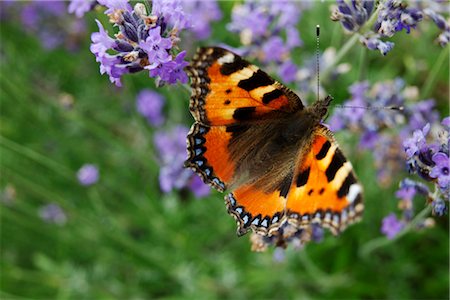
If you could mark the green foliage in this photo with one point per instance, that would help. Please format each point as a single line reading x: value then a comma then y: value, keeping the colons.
x: 125, y: 239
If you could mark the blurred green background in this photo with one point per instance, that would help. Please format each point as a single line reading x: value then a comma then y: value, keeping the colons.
x: 125, y: 239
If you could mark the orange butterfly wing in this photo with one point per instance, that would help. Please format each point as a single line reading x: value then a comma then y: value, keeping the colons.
x: 324, y: 190
x: 228, y: 91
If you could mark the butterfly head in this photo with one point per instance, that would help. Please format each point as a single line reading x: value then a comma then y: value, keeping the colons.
x: 320, y: 107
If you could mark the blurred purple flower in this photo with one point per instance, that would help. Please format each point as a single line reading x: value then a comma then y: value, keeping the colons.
x: 115, y: 5
x: 80, y: 7
x: 439, y: 207
x: 279, y: 254
x: 391, y: 226
x: 88, y: 174
x: 422, y: 113
x: 150, y: 104
x: 288, y: 71
x: 48, y: 21
x: 374, y: 42
x: 261, y: 24
x: 171, y: 147
x: 53, y: 213
x: 198, y: 187
x: 273, y: 49
x: 173, y: 13
x: 202, y: 13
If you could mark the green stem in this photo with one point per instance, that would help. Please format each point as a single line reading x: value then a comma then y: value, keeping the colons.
x: 431, y: 80
x: 374, y: 244
x: 342, y: 52
x: 323, y: 280
x: 37, y: 157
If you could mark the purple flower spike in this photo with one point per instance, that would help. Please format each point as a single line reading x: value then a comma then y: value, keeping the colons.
x: 391, y: 226
x: 53, y: 213
x: 88, y: 174
x: 441, y: 170
x: 417, y: 143
x: 149, y: 104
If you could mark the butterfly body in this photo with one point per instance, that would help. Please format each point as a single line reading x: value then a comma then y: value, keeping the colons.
x: 254, y: 137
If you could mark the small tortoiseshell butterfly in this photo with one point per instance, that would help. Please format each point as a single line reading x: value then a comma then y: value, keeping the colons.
x: 254, y: 137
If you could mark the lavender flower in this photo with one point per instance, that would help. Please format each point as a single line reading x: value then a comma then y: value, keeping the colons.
x: 88, y: 174
x: 80, y: 7
x: 144, y: 42
x: 201, y: 14
x: 353, y: 16
x: 53, y: 213
x: 149, y: 104
x: 391, y: 226
x: 261, y: 25
x: 47, y: 20
x: 391, y: 16
x: 171, y: 147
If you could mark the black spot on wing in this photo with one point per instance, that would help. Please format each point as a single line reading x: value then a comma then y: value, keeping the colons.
x: 336, y: 163
x: 321, y: 191
x: 243, y: 113
x: 285, y: 185
x: 349, y: 180
x: 258, y: 79
x: 324, y: 150
x: 227, y: 91
x: 237, y: 129
x: 227, y: 102
x: 271, y: 96
x: 310, y: 192
x: 232, y: 67
x: 302, y: 178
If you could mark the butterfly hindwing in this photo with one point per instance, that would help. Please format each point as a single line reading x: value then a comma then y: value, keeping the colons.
x: 227, y: 89
x: 325, y: 189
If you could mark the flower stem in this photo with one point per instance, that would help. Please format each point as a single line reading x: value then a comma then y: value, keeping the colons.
x: 342, y: 52
x: 431, y: 80
x: 37, y: 157
x: 374, y: 244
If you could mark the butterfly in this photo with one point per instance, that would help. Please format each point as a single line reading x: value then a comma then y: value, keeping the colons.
x: 254, y: 138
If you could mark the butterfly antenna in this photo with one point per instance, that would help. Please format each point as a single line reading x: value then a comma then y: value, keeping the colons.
x: 317, y: 60
x: 399, y: 108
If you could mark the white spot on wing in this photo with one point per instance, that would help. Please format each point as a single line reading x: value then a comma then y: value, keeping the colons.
x: 226, y: 59
x: 353, y: 192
